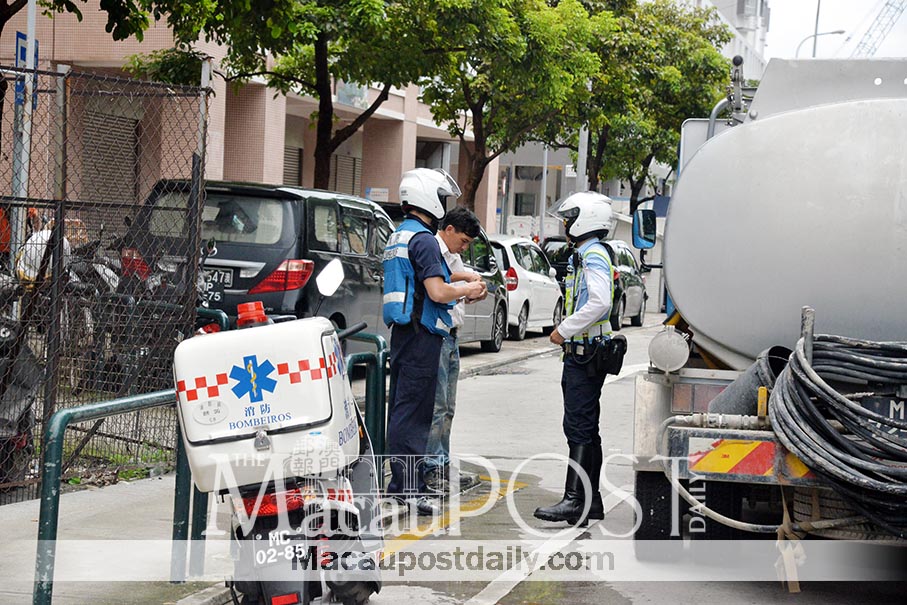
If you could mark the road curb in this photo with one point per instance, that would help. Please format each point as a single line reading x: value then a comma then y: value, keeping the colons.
x: 216, y: 594
x: 486, y: 367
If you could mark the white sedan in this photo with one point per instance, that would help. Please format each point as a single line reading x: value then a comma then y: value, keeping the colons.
x: 534, y: 297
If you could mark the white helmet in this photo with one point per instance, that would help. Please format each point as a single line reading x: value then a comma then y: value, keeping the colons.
x: 586, y: 214
x: 428, y: 190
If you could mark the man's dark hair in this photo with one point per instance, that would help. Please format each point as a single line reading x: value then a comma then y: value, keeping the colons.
x: 462, y: 220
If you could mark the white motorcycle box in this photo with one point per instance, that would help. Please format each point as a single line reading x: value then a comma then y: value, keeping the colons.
x: 265, y: 403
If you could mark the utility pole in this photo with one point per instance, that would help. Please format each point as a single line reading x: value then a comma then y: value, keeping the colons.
x: 816, y: 30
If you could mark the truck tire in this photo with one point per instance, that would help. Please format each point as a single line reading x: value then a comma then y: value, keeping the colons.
x: 652, y: 540
x: 725, y: 499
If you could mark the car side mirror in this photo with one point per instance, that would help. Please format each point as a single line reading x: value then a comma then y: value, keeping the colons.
x: 644, y: 229
x: 330, y: 278
x: 492, y: 264
x: 552, y: 273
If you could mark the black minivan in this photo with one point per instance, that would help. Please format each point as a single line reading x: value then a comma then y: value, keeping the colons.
x: 271, y: 241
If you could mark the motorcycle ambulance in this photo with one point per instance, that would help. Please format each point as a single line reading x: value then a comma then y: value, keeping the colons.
x: 269, y: 420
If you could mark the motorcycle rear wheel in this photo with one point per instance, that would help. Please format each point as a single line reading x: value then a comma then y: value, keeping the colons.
x: 352, y: 592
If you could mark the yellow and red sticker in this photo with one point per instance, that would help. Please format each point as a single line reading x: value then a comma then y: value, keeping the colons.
x: 743, y: 457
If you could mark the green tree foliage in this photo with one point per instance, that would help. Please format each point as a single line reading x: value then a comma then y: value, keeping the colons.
x: 170, y: 65
x: 510, y: 68
x: 666, y: 67
x: 308, y: 46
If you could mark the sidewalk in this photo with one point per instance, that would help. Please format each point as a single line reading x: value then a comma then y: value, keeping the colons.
x: 142, y: 511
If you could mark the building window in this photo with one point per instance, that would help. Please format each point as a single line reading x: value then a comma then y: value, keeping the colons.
x: 346, y: 174
x: 292, y: 166
x: 524, y: 204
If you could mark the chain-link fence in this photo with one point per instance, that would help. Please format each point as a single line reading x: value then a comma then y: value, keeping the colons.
x: 99, y: 203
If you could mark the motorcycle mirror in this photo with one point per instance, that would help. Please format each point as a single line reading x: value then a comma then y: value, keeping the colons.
x: 127, y: 221
x: 330, y: 278
x: 211, y: 247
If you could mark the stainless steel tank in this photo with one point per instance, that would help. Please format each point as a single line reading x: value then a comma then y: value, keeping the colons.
x: 805, y: 203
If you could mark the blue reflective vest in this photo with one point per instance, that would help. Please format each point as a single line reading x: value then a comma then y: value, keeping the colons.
x: 400, y: 284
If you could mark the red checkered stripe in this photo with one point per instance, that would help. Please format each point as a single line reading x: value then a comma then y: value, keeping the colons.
x: 201, y: 384
x: 317, y: 369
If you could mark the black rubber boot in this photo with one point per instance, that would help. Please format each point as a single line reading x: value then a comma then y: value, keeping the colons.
x: 597, y: 509
x: 570, y: 508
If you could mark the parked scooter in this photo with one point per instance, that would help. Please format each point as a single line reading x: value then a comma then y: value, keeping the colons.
x: 268, y: 418
x: 20, y: 377
x: 92, y: 266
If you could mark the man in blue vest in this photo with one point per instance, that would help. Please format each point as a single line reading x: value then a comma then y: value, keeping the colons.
x: 586, y: 329
x: 418, y: 297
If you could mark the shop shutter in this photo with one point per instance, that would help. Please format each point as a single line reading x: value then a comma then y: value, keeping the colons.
x: 109, y: 160
x: 346, y: 174
x: 292, y: 166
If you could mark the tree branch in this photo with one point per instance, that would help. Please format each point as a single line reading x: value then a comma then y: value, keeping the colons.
x: 347, y: 131
x: 272, y: 74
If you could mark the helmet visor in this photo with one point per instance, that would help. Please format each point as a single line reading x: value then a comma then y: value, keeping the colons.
x: 563, y: 210
x: 448, y: 192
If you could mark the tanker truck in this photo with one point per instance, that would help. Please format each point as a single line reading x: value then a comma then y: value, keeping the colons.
x: 787, y: 224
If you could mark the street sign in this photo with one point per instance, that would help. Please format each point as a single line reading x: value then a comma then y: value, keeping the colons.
x: 21, y: 62
x: 378, y: 194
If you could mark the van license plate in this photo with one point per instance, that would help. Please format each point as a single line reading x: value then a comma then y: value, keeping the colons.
x: 215, y: 282
x: 224, y: 277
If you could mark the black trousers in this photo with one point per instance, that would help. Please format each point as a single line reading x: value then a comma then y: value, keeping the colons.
x: 414, y: 357
x: 582, y: 396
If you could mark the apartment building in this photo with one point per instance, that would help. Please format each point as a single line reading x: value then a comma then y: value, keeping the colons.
x: 255, y: 136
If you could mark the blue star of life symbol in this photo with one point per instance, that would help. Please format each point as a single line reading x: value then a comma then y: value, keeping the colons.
x: 252, y: 378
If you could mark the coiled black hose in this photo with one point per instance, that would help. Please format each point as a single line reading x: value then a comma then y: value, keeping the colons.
x: 866, y: 462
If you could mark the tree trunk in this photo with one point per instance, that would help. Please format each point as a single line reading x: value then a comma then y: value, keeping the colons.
x: 595, y: 161
x: 477, y: 165
x: 325, y: 124
x: 637, y: 185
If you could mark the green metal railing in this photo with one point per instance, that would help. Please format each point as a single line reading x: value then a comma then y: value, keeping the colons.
x: 186, y: 497
x: 52, y: 466
x: 375, y: 390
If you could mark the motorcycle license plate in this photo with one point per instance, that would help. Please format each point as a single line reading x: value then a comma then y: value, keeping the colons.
x: 288, y: 548
x: 216, y: 280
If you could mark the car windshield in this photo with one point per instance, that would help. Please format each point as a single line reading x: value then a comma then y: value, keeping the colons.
x: 242, y: 219
x: 557, y: 250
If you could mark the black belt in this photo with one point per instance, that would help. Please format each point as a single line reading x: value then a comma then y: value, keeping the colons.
x: 453, y: 332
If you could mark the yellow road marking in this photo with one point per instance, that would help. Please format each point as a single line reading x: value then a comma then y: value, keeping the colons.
x: 449, y: 517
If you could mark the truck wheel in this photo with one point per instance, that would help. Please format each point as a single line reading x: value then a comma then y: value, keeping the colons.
x: 617, y: 315
x: 637, y: 320
x: 497, y: 331
x: 725, y: 499
x: 655, y: 496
